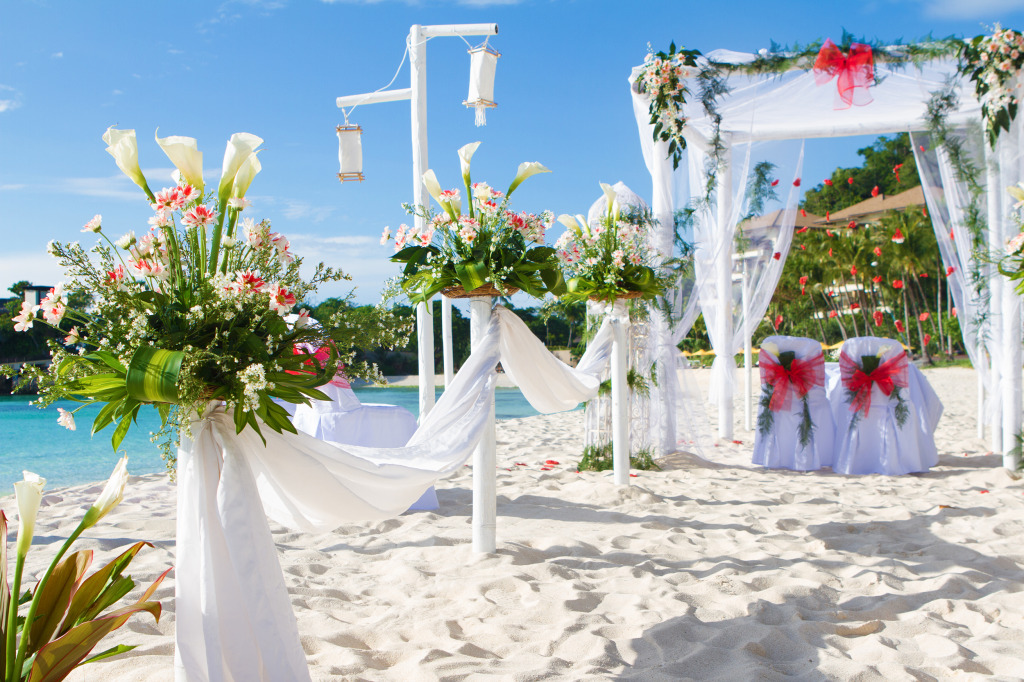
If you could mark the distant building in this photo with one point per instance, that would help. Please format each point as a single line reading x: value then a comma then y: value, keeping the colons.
x: 34, y: 294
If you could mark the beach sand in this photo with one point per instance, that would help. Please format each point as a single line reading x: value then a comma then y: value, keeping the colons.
x: 707, y: 570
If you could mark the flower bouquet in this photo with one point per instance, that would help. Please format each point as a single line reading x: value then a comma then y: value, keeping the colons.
x: 611, y: 259
x: 196, y: 309
x: 488, y: 245
x: 1012, y: 264
x: 994, y: 63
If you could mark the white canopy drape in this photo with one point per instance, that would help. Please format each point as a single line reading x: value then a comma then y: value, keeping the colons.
x: 793, y: 106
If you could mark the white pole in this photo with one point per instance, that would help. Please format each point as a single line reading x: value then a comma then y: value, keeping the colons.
x: 996, y: 349
x: 446, y: 340
x: 1011, y: 327
x: 418, y: 101
x: 981, y: 390
x: 485, y: 461
x: 723, y: 357
x: 620, y: 394
x: 747, y: 351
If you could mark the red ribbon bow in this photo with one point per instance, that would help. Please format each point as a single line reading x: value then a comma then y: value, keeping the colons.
x: 887, y: 377
x: 802, y: 375
x: 854, y: 72
x: 321, y: 354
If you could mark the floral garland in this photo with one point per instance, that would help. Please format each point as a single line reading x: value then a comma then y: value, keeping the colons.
x: 994, y: 63
x: 662, y: 77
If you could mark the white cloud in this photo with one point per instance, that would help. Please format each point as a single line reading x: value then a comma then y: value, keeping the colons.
x: 11, y: 188
x: 986, y: 10
x: 117, y: 92
x: 301, y: 210
x: 361, y: 257
x: 12, y: 102
x: 57, y: 55
x: 37, y: 267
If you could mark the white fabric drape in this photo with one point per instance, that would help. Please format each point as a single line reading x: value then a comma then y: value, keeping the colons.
x: 948, y: 198
x: 234, y: 618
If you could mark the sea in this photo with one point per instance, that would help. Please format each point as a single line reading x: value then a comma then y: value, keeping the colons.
x: 33, y: 441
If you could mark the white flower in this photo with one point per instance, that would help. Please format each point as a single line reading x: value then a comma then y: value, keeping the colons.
x: 29, y: 493
x: 246, y: 172
x: 239, y: 203
x: 240, y: 147
x: 526, y: 169
x: 185, y: 155
x: 302, y: 320
x: 23, y: 321
x: 385, y: 235
x: 94, y: 224
x: 74, y: 336
x: 113, y: 493
x: 66, y: 419
x: 127, y: 240
x: 121, y: 144
x: 465, y: 156
x: 228, y: 242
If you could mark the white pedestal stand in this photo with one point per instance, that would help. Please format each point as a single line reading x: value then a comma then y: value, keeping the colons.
x: 485, y: 464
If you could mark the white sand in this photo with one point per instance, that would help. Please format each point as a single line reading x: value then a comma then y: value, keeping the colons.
x: 701, y: 571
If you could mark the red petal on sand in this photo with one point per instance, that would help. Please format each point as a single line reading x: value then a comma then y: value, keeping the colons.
x: 737, y: 442
x: 550, y: 461
x: 635, y: 475
x: 982, y: 491
x: 520, y: 464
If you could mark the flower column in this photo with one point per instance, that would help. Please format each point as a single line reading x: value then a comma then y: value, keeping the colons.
x: 620, y: 393
x: 485, y: 504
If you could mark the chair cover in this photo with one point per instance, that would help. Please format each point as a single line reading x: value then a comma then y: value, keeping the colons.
x: 344, y: 419
x: 778, y: 444
x: 872, y: 437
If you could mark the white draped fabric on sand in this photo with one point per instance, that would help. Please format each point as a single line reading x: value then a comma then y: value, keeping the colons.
x: 234, y: 618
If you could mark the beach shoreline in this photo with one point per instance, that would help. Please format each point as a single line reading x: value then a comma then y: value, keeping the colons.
x: 710, y: 569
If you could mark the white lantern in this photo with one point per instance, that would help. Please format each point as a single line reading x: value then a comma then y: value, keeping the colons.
x: 483, y: 62
x: 350, y: 152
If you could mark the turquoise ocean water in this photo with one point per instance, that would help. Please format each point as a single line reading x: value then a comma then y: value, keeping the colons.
x: 32, y: 440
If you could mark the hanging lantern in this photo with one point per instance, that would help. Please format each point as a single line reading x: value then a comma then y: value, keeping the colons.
x: 350, y: 152
x: 483, y: 62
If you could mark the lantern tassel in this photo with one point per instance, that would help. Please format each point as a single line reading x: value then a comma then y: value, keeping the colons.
x: 481, y: 115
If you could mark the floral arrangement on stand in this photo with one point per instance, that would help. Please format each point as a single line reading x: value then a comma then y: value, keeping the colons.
x: 67, y: 614
x: 994, y: 63
x: 487, y: 245
x: 611, y: 259
x: 196, y: 309
x: 1012, y: 264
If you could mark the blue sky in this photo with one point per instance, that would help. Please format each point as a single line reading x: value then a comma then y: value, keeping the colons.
x: 274, y: 68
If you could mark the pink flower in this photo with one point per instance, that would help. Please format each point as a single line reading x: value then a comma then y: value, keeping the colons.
x: 116, y: 277
x: 188, y: 194
x: 924, y: 316
x: 385, y: 235
x: 1015, y: 243
x: 74, y: 336
x: 168, y: 198
x: 634, y: 258
x: 93, y: 225
x: 247, y: 281
x: 832, y: 313
x: 302, y: 320
x: 400, y: 236
x: 198, y: 215
x: 23, y: 321
x: 54, y: 312
x: 468, y: 234
x: 618, y: 258
x: 281, y: 300
x: 66, y: 419
x: 280, y: 243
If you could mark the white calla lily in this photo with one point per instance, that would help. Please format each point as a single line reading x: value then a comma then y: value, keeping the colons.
x: 185, y: 155
x: 240, y: 147
x: 526, y: 170
x: 569, y: 221
x: 113, y: 493
x: 29, y: 493
x: 465, y: 156
x: 432, y: 185
x: 613, y: 200
x: 122, y: 145
x: 244, y: 177
x: 771, y: 348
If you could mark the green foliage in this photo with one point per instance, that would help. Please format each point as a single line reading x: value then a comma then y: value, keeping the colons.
x: 599, y: 458
x: 880, y: 158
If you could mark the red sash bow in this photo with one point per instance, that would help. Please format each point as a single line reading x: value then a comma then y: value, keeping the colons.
x: 854, y: 72
x: 320, y: 354
x: 887, y: 377
x: 801, y: 377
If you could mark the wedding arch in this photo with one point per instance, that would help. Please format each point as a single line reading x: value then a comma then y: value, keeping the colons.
x: 708, y: 125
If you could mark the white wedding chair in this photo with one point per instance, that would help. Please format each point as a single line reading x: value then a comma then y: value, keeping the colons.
x: 884, y: 409
x: 345, y: 419
x: 794, y: 421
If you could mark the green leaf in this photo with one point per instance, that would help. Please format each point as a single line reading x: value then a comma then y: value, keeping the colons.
x: 58, y: 658
x: 55, y: 597
x: 87, y: 602
x: 112, y: 651
x: 472, y: 275
x: 106, y: 416
x: 107, y: 358
x: 121, y: 431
